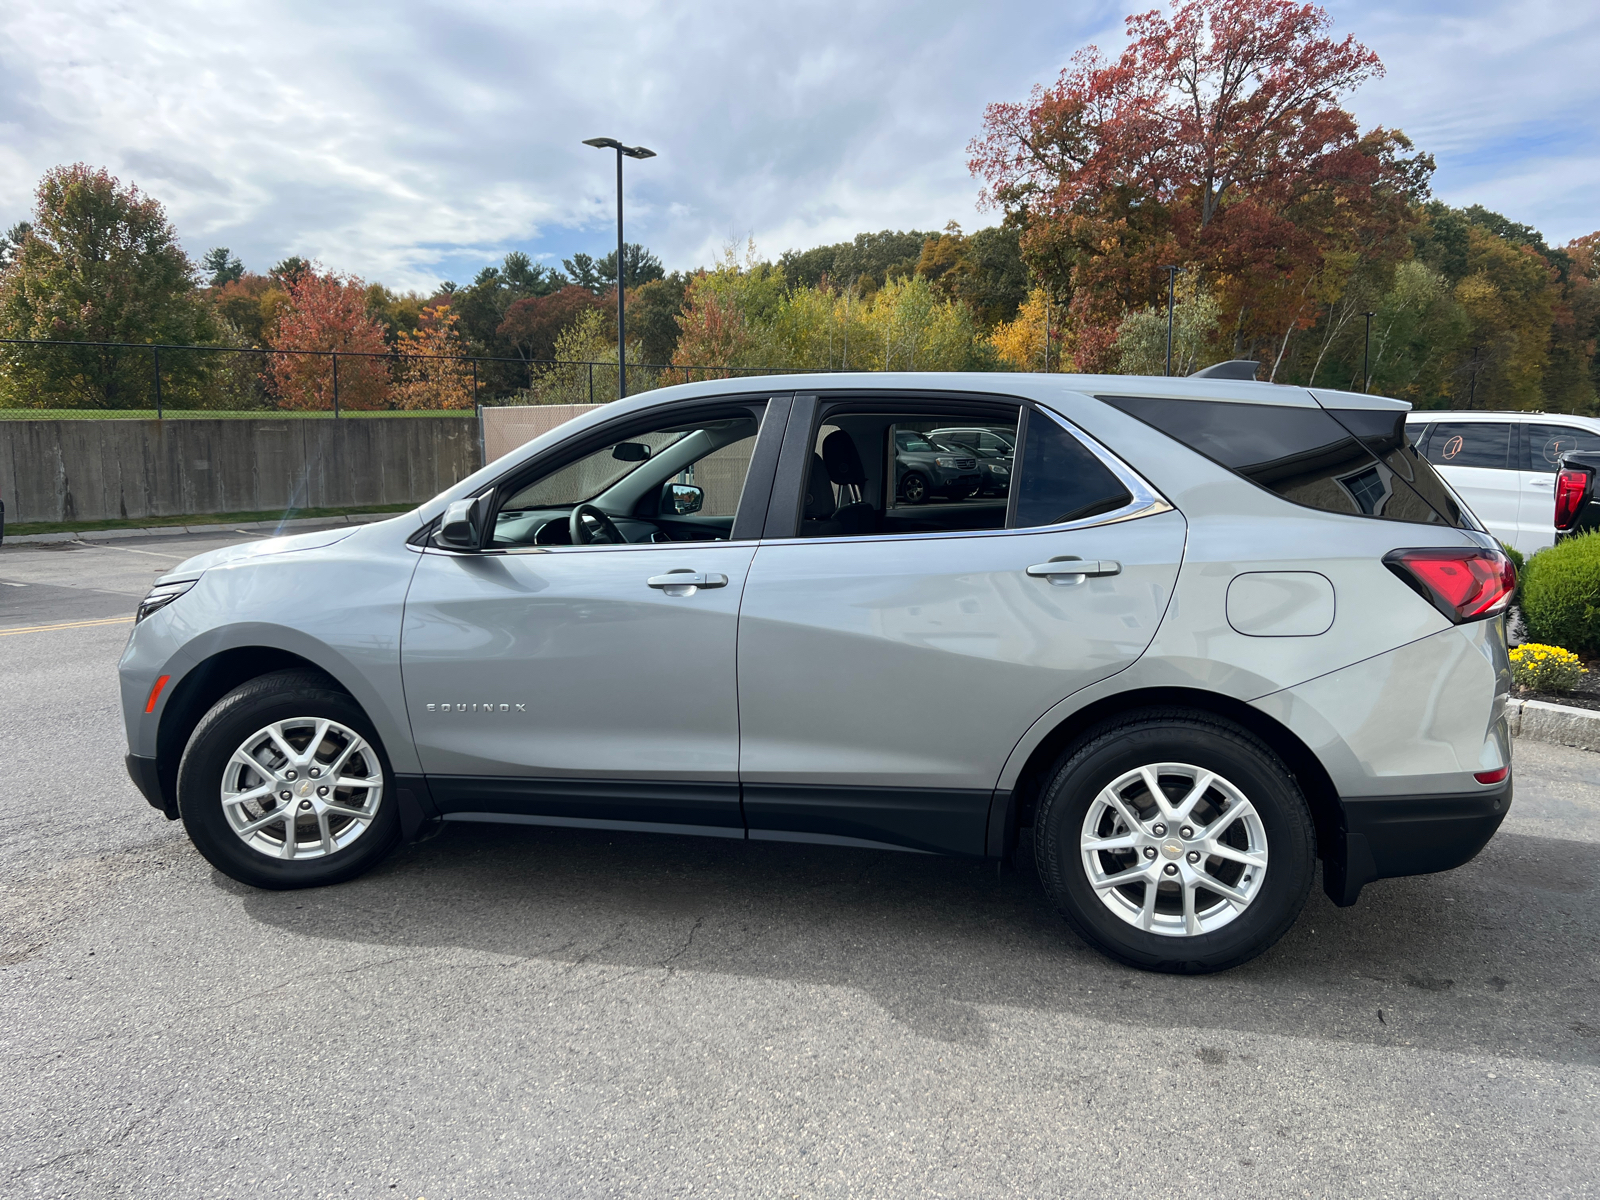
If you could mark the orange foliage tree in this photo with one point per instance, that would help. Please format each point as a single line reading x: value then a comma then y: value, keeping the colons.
x: 327, y: 312
x: 432, y: 374
x: 1214, y: 142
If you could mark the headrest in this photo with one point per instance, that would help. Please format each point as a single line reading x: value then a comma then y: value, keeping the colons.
x: 842, y: 459
x: 820, y: 504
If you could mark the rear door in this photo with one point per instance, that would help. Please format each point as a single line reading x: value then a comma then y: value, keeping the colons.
x: 885, y: 676
x: 1475, y: 459
x: 1543, y: 444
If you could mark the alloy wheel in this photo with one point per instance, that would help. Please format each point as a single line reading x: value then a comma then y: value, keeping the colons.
x: 302, y: 788
x: 1174, y: 849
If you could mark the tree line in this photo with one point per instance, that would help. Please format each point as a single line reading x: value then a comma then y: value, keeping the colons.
x: 1212, y: 156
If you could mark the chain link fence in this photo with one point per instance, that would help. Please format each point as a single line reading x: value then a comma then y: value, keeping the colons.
x: 138, y: 379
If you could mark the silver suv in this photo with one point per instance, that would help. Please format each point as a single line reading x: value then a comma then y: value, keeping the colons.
x: 1215, y: 632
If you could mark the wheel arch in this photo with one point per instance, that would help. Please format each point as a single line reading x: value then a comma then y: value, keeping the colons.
x: 1309, y: 773
x: 210, y: 680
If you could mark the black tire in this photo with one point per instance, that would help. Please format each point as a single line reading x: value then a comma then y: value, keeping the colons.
x: 914, y: 488
x: 280, y: 696
x: 1211, y: 743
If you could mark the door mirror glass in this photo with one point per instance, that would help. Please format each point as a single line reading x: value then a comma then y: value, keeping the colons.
x: 458, y: 529
x: 681, y: 499
x: 630, y: 452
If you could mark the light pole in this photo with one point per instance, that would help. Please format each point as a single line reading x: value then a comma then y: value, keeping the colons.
x: 1172, y: 275
x: 1366, y: 356
x: 631, y: 152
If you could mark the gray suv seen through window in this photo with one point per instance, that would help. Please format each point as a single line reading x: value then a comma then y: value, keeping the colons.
x: 1204, y: 636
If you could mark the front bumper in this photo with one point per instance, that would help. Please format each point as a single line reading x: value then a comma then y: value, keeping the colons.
x: 1384, y: 837
x: 147, y: 779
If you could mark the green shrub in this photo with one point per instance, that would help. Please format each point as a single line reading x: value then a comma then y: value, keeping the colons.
x: 1548, y: 669
x: 1518, y: 562
x: 1561, y: 595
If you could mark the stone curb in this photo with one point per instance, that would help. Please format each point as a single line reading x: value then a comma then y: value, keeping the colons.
x: 112, y: 535
x: 1560, y: 724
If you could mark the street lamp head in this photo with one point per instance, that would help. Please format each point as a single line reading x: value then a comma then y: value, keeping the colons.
x: 613, y: 144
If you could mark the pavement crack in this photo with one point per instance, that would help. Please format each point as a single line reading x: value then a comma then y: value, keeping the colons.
x: 688, y: 941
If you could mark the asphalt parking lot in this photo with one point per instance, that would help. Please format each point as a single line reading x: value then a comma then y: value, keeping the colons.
x: 522, y: 1012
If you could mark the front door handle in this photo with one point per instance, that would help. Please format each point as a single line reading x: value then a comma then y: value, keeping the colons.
x: 684, y: 582
x: 1070, y: 570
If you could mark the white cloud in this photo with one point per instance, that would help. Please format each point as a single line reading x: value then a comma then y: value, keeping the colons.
x: 407, y: 142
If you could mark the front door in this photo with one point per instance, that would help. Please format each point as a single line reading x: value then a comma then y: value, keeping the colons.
x: 579, y: 669
x: 888, y: 665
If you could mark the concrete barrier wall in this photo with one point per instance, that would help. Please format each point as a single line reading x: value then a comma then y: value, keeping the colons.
x: 97, y: 470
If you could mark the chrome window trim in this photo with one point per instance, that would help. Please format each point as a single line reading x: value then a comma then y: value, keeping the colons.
x: 1146, y: 502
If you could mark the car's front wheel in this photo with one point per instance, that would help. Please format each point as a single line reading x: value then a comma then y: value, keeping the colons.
x: 1175, y: 841
x: 284, y: 784
x: 914, y: 488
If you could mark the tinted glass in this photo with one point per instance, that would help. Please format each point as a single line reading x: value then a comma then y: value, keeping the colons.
x: 1301, y: 454
x: 1385, y: 434
x: 1061, y: 480
x: 1470, y: 444
x: 1543, y: 445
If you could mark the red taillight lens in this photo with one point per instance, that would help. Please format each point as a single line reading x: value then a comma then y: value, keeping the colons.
x: 1495, y: 776
x: 1463, y: 584
x: 1570, y: 487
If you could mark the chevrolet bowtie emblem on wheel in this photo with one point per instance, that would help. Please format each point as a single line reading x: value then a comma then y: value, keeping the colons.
x: 477, y: 708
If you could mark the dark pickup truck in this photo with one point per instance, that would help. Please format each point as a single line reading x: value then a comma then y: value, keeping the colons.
x: 1577, y: 494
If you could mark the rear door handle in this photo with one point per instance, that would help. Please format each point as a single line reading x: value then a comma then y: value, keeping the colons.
x: 685, y: 582
x: 1073, y: 568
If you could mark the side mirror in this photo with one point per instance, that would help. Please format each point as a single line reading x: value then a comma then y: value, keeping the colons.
x: 458, y: 528
x: 630, y: 452
x: 681, y: 499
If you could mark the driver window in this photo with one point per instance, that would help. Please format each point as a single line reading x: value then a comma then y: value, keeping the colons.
x: 671, y: 483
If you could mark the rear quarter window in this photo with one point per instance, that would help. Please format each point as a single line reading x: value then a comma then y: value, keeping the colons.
x: 1356, y: 462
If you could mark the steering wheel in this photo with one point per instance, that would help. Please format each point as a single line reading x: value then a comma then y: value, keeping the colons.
x: 581, y: 533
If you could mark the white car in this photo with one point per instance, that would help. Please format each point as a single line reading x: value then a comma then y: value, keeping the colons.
x: 1503, y: 464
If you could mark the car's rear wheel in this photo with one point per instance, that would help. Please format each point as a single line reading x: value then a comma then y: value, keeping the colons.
x: 284, y: 784
x: 1175, y: 841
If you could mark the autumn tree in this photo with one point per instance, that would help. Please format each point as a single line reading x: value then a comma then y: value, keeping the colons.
x: 99, y: 262
x: 327, y: 312
x: 432, y: 372
x: 532, y: 324
x: 1215, y: 141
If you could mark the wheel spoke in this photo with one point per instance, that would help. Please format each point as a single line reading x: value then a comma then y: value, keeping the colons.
x: 1202, y: 784
x: 262, y: 822
x: 1147, y: 911
x: 343, y: 756
x: 1138, y: 874
x: 1112, y: 799
x: 1231, y: 894
x: 1191, y: 921
x: 340, y: 810
x: 275, y: 732
x: 1240, y: 810
x: 246, y: 759
x: 1152, y: 780
x: 1121, y: 841
x: 256, y: 793
x: 327, y: 837
x: 1250, y: 858
x: 289, y: 838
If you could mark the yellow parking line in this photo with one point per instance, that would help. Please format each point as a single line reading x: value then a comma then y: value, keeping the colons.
x: 66, y: 625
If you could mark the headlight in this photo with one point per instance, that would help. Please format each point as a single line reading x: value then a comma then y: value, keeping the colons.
x: 162, y: 595
x: 999, y: 471
x: 947, y: 462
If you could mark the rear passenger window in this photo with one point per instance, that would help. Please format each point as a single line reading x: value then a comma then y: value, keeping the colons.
x: 1470, y: 444
x: 1301, y: 454
x: 1061, y: 480
x: 1544, y: 445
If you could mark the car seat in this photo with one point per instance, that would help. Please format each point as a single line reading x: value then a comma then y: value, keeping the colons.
x: 843, y: 464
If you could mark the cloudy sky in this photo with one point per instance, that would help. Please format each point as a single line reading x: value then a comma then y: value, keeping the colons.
x: 410, y: 143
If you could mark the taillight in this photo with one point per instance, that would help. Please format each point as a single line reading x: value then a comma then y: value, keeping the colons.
x: 1464, y: 584
x: 1570, y: 486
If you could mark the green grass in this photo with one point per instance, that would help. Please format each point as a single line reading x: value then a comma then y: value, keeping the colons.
x: 195, y: 414
x: 236, y: 518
